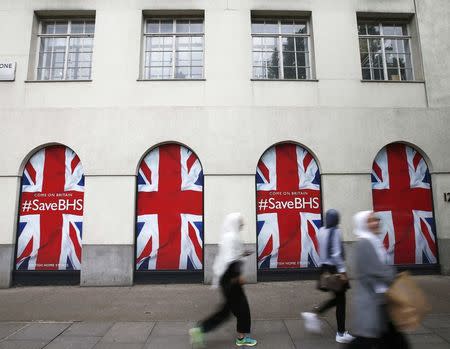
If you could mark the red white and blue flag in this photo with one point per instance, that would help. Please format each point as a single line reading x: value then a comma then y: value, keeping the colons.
x: 170, y: 210
x: 288, y: 208
x: 51, y: 211
x: 401, y: 190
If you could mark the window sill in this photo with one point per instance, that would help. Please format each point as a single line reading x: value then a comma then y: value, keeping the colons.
x: 395, y: 81
x: 289, y: 80
x: 50, y: 81
x: 170, y: 79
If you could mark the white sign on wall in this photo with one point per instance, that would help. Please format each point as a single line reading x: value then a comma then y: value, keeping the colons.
x: 7, y: 71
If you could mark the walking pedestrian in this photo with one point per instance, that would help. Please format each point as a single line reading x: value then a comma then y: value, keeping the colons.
x: 371, y: 323
x: 227, y: 274
x: 332, y: 261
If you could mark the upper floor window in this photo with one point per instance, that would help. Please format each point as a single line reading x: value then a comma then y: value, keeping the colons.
x: 385, y: 50
x: 65, y: 49
x: 173, y: 48
x: 281, y: 49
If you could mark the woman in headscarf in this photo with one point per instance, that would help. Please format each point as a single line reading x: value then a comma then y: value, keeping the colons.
x: 332, y: 260
x: 227, y: 274
x: 370, y: 322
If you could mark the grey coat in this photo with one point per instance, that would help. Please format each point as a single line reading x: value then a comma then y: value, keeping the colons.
x: 369, y: 318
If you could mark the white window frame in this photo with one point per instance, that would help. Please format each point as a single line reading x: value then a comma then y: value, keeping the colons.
x: 173, y: 35
x: 279, y: 36
x: 382, y: 37
x: 67, y: 36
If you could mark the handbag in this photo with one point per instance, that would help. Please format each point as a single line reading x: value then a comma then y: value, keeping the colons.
x: 332, y: 282
x: 406, y: 302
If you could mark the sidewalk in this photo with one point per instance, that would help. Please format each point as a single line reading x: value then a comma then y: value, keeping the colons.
x: 159, y: 316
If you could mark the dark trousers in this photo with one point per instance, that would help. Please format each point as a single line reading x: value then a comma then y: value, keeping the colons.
x: 235, y: 303
x: 391, y: 339
x: 337, y: 301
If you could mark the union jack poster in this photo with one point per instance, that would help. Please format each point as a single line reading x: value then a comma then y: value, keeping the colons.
x: 51, y: 211
x: 401, y: 191
x: 288, y: 208
x: 169, y: 223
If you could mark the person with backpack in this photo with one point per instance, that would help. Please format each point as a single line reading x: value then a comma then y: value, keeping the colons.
x: 227, y: 274
x: 332, y: 264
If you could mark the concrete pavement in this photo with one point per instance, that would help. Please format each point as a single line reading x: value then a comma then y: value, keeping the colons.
x: 159, y: 316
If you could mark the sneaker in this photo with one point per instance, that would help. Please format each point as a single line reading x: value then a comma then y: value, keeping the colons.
x: 197, y: 340
x: 312, y: 322
x: 246, y: 341
x: 344, y: 337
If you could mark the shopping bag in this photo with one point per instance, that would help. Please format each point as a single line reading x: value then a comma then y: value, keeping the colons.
x: 406, y: 302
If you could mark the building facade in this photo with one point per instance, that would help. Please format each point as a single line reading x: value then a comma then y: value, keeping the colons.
x: 125, y: 121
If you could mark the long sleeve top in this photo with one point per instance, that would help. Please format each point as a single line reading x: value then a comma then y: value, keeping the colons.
x: 336, y: 257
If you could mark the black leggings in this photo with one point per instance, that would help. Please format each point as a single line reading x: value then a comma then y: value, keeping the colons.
x: 337, y: 301
x: 236, y: 304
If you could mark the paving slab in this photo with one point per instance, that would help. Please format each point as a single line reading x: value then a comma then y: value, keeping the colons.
x: 444, y: 333
x: 105, y: 345
x: 172, y: 328
x: 296, y: 329
x: 172, y: 342
x: 128, y: 332
x: 8, y: 328
x: 437, y: 321
x: 428, y: 338
x: 73, y: 343
x: 88, y: 328
x: 22, y: 344
x: 39, y: 331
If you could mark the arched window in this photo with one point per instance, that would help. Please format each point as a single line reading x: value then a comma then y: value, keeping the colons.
x: 169, y: 224
x: 288, y: 201
x: 50, y: 227
x: 401, y: 192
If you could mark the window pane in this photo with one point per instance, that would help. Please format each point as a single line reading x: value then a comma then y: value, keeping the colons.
x: 196, y: 72
x: 406, y: 74
x: 270, y: 44
x: 152, y: 26
x: 166, y: 26
x: 90, y: 27
x: 167, y: 43
x: 363, y: 45
x: 403, y: 46
x: 375, y: 45
x: 404, y: 61
x: 377, y: 60
x: 196, y: 26
x: 182, y: 26
x: 373, y: 29
x: 59, y: 44
x: 393, y: 74
x: 301, y: 44
x: 289, y: 59
x: 257, y: 43
x: 389, y: 46
x: 167, y: 58
x: 183, y: 43
x: 391, y: 61
x: 271, y: 58
x: 154, y: 44
x: 46, y: 45
x: 45, y: 60
x: 75, y: 44
x: 156, y: 73
x: 257, y: 58
x: 88, y: 44
x: 183, y: 58
x: 48, y: 28
x: 197, y: 43
x: 303, y: 73
x: 365, y: 62
x: 58, y: 60
x: 167, y: 72
x: 60, y: 27
x: 79, y: 60
x: 362, y: 30
x: 272, y: 73
x: 182, y: 73
x: 289, y: 73
x: 156, y: 58
x: 302, y: 59
x: 258, y: 73
x: 257, y: 27
x: 197, y: 58
x: 56, y: 74
x: 300, y: 28
x: 378, y: 74
x: 366, y: 74
x: 78, y: 74
x: 77, y: 27
x: 43, y: 74
x: 288, y: 44
x: 271, y: 27
x: 393, y: 29
x: 287, y: 27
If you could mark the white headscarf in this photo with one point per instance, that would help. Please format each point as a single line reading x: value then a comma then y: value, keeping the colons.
x: 230, y: 246
x: 362, y: 231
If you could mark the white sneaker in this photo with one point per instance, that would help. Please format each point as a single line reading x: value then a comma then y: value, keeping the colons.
x: 312, y: 322
x: 344, y: 338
